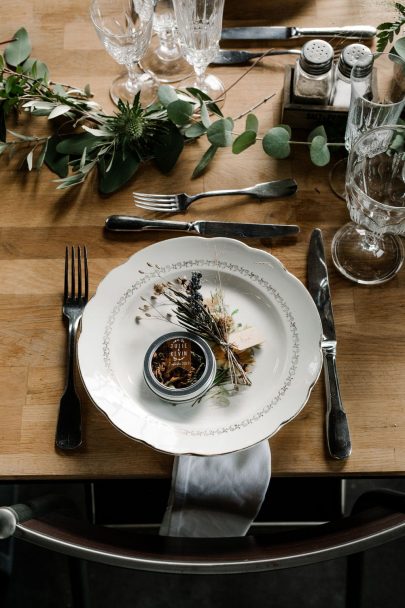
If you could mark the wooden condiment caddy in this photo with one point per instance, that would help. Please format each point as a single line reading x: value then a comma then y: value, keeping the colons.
x: 308, y: 116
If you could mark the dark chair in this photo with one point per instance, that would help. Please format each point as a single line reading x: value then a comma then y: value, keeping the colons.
x: 378, y: 517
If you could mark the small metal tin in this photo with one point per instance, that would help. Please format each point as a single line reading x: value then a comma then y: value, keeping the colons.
x: 188, y: 393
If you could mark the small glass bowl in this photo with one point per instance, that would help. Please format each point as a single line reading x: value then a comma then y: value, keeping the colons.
x: 187, y: 393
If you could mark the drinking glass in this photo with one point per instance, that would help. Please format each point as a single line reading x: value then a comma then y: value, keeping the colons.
x: 125, y: 28
x: 368, y: 250
x: 164, y: 58
x: 199, y: 24
x: 375, y: 101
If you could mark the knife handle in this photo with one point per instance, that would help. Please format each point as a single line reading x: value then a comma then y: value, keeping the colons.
x: 337, y: 427
x: 129, y: 223
x: 346, y: 31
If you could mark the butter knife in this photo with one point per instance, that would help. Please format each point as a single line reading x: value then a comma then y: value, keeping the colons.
x: 288, y: 32
x: 128, y: 223
x: 224, y: 57
x: 337, y: 428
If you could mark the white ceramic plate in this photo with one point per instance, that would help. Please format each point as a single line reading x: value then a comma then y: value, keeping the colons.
x: 112, y: 347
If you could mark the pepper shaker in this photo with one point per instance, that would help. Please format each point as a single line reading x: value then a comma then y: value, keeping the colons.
x: 313, y: 73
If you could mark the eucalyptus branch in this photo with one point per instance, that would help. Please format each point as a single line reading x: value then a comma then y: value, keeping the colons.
x: 257, y: 105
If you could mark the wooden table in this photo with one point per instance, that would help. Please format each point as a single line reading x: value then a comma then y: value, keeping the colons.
x: 37, y: 221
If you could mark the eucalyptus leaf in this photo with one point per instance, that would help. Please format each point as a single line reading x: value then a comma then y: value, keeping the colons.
x: 205, y: 117
x: 98, y: 132
x: 318, y: 131
x: 243, y: 141
x: 319, y: 151
x: 205, y: 160
x: 252, y: 123
x: 219, y: 133
x: 87, y: 90
x: 180, y: 112
x: 3, y: 147
x: 121, y: 171
x: 22, y: 136
x: 276, y: 143
x: 196, y: 130
x: 55, y: 161
x: 19, y: 50
x: 201, y: 96
x: 167, y: 94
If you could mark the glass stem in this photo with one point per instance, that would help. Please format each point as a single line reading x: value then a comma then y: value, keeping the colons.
x: 373, y: 243
x: 134, y: 74
x: 200, y: 73
x: 168, y: 49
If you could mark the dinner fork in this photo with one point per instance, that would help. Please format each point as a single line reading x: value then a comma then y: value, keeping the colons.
x: 75, y: 296
x: 180, y: 202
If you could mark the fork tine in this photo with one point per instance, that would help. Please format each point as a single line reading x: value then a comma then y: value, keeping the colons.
x: 156, y: 207
x: 152, y: 197
x: 66, y: 284
x: 86, y: 275
x: 79, y: 273
x: 73, y: 283
x: 148, y: 199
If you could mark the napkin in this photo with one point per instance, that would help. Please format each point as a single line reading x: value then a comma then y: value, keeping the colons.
x: 213, y: 496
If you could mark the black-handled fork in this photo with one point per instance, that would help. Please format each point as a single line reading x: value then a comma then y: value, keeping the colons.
x: 76, y: 292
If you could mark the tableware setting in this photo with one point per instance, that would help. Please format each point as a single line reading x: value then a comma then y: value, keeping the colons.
x: 125, y: 29
x: 369, y: 250
x: 337, y: 429
x: 75, y: 297
x: 114, y: 341
x: 163, y: 57
x: 181, y: 201
x: 376, y: 95
x: 128, y: 223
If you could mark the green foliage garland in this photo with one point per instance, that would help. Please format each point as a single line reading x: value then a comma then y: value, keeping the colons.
x: 87, y: 139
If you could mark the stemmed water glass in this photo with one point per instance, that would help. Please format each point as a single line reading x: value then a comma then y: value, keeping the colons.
x: 377, y: 99
x: 164, y: 58
x: 125, y: 28
x: 368, y: 250
x: 199, y: 24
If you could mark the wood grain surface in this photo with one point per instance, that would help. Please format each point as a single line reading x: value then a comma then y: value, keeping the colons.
x: 37, y: 221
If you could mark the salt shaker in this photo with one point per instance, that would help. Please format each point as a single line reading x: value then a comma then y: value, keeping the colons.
x: 353, y: 54
x: 313, y: 73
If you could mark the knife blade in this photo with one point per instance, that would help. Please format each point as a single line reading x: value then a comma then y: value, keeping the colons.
x: 287, y: 32
x: 337, y: 428
x: 224, y: 57
x: 128, y: 223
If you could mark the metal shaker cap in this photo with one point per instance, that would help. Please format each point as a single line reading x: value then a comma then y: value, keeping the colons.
x: 357, y: 55
x: 316, y: 57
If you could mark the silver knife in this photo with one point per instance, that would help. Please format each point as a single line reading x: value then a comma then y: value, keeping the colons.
x: 130, y: 223
x: 337, y: 428
x: 287, y: 32
x: 224, y: 57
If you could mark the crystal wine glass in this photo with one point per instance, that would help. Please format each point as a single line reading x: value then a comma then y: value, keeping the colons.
x: 199, y: 24
x: 125, y: 28
x: 368, y: 250
x: 164, y: 58
x: 377, y: 99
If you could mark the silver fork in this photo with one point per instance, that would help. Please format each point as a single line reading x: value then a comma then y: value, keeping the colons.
x: 76, y: 293
x: 180, y: 202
